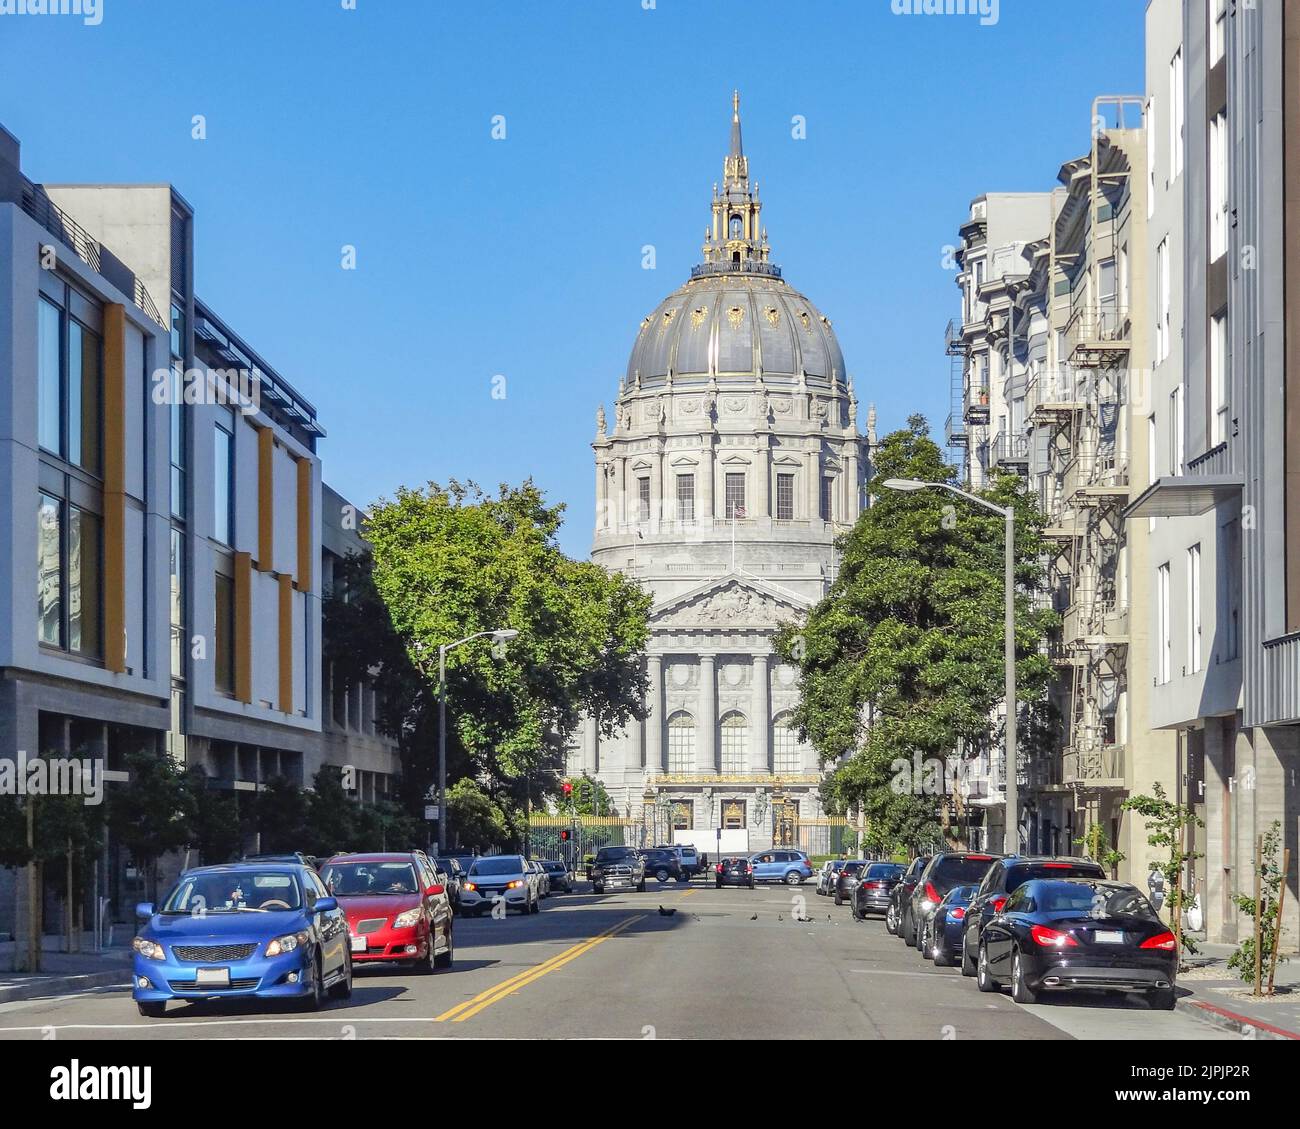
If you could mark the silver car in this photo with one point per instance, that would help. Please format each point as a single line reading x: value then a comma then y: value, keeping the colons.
x: 509, y: 879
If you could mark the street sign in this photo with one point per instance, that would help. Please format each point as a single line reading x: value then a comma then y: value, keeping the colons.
x: 431, y: 812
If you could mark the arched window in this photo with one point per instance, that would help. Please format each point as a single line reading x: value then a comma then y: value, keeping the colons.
x: 787, y: 759
x: 737, y: 226
x: 681, y: 744
x: 735, y: 744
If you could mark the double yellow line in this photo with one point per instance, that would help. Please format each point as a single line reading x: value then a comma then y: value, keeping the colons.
x: 489, y: 996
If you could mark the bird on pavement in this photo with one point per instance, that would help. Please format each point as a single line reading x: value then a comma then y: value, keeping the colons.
x: 753, y: 917
x: 667, y: 912
x: 802, y: 920
x: 779, y: 917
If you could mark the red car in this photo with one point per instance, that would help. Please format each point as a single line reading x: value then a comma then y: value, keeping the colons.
x: 397, y: 908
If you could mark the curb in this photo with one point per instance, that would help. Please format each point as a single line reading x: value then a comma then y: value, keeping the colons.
x: 1230, y: 1021
x: 64, y: 985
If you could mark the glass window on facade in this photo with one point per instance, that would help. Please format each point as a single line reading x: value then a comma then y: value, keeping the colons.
x: 85, y: 607
x: 785, y: 497
x: 827, y: 500
x: 686, y: 497
x: 177, y: 428
x: 176, y: 575
x: 223, y: 486
x: 224, y: 635
x: 85, y: 412
x: 786, y: 758
x: 681, y: 743
x: 49, y: 377
x: 735, y: 496
x: 643, y: 499
x: 735, y: 744
x: 49, y: 572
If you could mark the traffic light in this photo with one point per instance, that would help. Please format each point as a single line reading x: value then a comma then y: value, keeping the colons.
x: 565, y: 835
x: 568, y: 788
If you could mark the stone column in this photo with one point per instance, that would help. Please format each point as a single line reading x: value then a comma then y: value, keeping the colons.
x: 654, y: 737
x: 706, y: 718
x: 763, y: 480
x: 620, y: 493
x: 656, y: 493
x: 590, y: 745
x: 704, y: 507
x: 760, y: 749
x: 852, y: 494
x: 813, y: 463
x: 602, y: 496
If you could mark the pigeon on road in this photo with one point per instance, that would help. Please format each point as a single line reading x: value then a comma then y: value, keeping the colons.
x: 666, y: 912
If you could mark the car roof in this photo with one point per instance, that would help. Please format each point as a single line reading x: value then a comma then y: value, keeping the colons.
x: 374, y: 856
x: 232, y: 867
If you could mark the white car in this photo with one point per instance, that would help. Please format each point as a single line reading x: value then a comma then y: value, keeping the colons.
x: 506, y: 878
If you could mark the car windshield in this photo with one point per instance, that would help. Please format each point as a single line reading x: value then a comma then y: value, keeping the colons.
x: 449, y: 866
x: 853, y: 867
x: 611, y: 854
x: 961, y: 869
x: 507, y: 864
x: 355, y: 879
x: 1029, y: 871
x: 884, y: 870
x: 235, y: 891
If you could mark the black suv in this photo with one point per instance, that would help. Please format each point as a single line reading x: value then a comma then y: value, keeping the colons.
x: 901, y: 892
x: 662, y: 864
x: 1000, y: 883
x: 617, y: 868
x: 945, y: 870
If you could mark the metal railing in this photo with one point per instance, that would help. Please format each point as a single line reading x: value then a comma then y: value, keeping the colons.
x: 1010, y: 448
x: 747, y: 266
x: 1091, y: 761
x: 1096, y: 326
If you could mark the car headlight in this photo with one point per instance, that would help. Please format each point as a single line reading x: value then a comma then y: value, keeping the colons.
x: 470, y: 886
x: 407, y: 919
x: 286, y: 944
x: 150, y: 950
x: 515, y: 884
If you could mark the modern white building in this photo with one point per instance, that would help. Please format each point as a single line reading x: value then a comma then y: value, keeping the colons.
x: 732, y: 462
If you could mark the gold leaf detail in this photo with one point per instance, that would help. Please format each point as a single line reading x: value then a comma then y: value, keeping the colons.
x: 669, y: 315
x: 698, y: 315
x: 807, y: 321
x: 736, y: 315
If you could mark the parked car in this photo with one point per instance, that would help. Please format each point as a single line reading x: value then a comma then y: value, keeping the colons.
x: 902, y: 891
x: 790, y: 867
x: 941, y: 934
x: 504, y: 877
x: 944, y: 871
x: 733, y: 871
x: 616, y: 868
x: 454, y: 873
x: 1001, y: 881
x: 827, y: 874
x: 259, y: 930
x: 687, y: 856
x: 662, y: 864
x: 557, y: 874
x: 285, y: 856
x: 397, y: 908
x: 1062, y: 935
x: 874, y: 887
x: 846, y: 880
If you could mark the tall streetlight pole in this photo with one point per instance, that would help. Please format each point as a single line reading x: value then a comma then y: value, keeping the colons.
x: 1011, y: 768
x: 498, y: 636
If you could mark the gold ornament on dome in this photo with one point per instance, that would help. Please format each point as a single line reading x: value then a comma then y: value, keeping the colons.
x: 698, y: 315
x: 735, y: 316
x: 773, y: 316
x: 645, y: 321
x: 807, y: 321
x: 826, y: 321
x: 669, y: 315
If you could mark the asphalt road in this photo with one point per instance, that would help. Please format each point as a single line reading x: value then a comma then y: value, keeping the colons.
x: 615, y: 967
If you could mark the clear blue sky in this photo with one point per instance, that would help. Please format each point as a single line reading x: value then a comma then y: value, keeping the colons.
x: 522, y: 257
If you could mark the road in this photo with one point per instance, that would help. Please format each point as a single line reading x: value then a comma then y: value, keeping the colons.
x: 614, y: 967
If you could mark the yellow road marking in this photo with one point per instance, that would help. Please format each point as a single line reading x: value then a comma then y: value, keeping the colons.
x: 499, y: 991
x: 689, y: 893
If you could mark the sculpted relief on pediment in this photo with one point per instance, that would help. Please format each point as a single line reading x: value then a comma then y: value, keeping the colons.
x: 733, y: 604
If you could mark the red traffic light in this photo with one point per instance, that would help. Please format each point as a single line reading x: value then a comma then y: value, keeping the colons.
x: 565, y: 836
x: 568, y: 788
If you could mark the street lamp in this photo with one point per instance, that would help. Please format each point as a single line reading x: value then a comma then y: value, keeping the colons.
x: 501, y: 635
x: 1011, y: 771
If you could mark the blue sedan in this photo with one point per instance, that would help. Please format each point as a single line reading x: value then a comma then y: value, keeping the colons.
x: 247, y: 930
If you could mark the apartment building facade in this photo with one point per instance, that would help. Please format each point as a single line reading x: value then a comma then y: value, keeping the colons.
x: 1224, y: 505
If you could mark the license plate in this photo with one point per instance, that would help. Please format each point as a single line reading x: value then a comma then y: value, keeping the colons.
x: 1108, y: 937
x: 212, y: 977
x: 359, y: 944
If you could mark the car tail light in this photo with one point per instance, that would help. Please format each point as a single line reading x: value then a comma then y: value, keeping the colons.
x: 1058, y: 865
x: 718, y: 868
x: 957, y: 913
x: 932, y: 893
x: 979, y: 858
x: 875, y: 884
x: 998, y: 903
x: 1051, y: 938
x: 1160, y: 941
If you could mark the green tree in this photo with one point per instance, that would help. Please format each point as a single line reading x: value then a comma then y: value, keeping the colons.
x: 332, y: 816
x: 450, y: 562
x: 281, y: 817
x: 1265, y: 912
x: 1168, y: 825
x: 475, y: 818
x: 216, y: 826
x: 589, y: 797
x: 905, y: 653
x: 152, y: 812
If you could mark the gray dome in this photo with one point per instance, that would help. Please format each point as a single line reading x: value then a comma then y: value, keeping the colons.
x: 736, y: 326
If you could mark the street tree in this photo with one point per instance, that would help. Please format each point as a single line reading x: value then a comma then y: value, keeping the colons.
x: 905, y: 652
x: 151, y: 812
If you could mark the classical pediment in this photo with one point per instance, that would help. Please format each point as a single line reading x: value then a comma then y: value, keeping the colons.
x: 731, y: 601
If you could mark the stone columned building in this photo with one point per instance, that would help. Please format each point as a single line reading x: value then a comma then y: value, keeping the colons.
x: 732, y: 461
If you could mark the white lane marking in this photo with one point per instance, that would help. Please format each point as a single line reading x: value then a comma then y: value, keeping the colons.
x: 888, y: 972
x: 340, y: 1021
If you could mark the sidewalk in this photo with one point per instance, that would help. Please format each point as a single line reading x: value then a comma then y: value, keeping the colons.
x: 1218, y: 997
x: 62, y: 973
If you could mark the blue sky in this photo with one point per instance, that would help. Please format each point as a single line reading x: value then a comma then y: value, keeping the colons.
x: 522, y: 257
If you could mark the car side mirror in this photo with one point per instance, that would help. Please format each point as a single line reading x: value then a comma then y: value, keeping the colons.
x: 434, y: 890
x: 325, y: 905
x: 144, y: 911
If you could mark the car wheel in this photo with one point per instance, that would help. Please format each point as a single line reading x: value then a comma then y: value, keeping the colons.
x: 793, y: 878
x: 983, y: 978
x: 316, y: 1000
x: 891, y: 921
x: 1021, y: 992
x: 537, y: 906
x: 596, y: 888
x: 444, y: 960
x: 1163, y: 999
x: 967, y: 961
x: 425, y: 964
x: 838, y: 900
x: 906, y: 930
x: 640, y: 889
x: 661, y: 875
x: 751, y: 883
x: 853, y: 909
x: 941, y: 957
x: 152, y: 1009
x: 343, y: 989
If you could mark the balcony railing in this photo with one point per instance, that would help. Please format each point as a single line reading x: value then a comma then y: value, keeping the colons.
x: 1094, y: 620
x: 1095, y: 332
x: 747, y: 266
x: 1010, y: 450
x: 1093, y: 764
